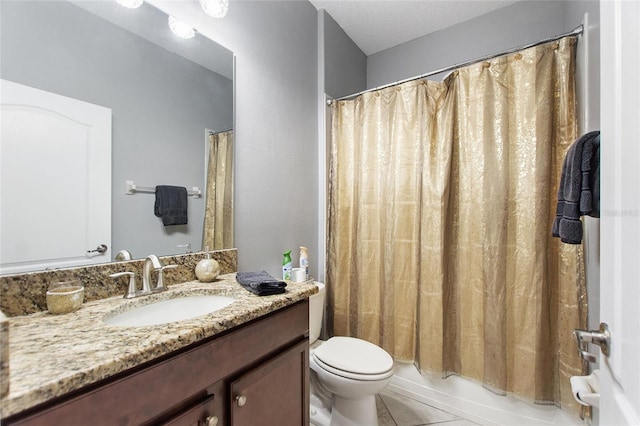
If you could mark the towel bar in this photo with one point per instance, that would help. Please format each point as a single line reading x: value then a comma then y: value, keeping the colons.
x: 131, y: 188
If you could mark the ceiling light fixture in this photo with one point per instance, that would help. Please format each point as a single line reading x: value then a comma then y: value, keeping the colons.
x: 215, y: 8
x: 131, y: 4
x: 180, y: 29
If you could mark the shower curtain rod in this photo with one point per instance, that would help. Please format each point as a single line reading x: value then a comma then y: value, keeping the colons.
x: 576, y: 31
x: 211, y: 132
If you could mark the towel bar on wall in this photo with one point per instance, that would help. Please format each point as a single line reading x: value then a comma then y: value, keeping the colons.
x: 131, y: 188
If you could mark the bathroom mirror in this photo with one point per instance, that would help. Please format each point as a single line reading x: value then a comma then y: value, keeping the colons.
x: 166, y: 94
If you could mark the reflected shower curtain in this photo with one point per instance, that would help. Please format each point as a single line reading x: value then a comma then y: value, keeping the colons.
x: 218, y: 215
x: 441, y: 200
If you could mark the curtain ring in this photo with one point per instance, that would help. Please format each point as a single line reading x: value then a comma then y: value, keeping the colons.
x: 517, y: 56
x: 555, y: 45
x: 486, y: 65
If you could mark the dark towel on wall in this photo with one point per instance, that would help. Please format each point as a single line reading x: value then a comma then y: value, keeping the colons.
x: 260, y: 283
x: 171, y: 204
x: 579, y: 190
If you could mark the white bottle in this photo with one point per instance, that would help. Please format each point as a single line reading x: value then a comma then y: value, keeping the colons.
x: 304, y: 260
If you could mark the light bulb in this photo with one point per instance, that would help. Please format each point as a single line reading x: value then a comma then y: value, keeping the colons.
x: 131, y: 4
x: 215, y: 8
x: 180, y: 29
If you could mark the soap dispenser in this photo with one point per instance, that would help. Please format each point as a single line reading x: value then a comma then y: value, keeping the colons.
x: 207, y: 269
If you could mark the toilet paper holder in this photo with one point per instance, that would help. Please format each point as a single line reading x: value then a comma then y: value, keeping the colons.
x: 586, y: 389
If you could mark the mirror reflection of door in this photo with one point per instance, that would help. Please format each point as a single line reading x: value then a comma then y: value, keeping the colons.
x: 55, y: 180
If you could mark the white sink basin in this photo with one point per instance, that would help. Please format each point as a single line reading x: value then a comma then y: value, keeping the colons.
x: 171, y: 310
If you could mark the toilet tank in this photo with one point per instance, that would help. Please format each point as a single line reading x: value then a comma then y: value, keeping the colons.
x: 316, y: 311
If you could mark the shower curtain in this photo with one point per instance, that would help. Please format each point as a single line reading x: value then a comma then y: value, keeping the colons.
x: 441, y: 200
x: 218, y: 215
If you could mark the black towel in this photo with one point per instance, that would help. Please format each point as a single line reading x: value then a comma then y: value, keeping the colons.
x: 171, y: 204
x: 260, y: 283
x: 579, y: 190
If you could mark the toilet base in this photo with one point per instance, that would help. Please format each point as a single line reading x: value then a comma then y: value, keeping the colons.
x: 354, y: 412
x: 344, y: 412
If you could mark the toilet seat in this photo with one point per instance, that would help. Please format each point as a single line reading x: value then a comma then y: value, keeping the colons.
x: 354, y: 358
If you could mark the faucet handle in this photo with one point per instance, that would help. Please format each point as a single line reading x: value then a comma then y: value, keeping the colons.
x: 160, y: 285
x: 131, y: 292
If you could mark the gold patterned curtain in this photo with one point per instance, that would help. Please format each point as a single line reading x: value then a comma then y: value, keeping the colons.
x: 218, y: 215
x: 441, y: 200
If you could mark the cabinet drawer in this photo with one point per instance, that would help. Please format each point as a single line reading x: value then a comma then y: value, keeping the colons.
x: 201, y: 414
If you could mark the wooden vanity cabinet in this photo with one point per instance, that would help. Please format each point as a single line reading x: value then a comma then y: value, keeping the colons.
x: 265, y: 361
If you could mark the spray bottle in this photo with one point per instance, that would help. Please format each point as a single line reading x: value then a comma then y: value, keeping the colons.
x: 304, y: 260
x: 286, y: 265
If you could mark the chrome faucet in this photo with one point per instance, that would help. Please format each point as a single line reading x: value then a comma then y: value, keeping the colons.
x: 150, y: 263
x: 153, y: 263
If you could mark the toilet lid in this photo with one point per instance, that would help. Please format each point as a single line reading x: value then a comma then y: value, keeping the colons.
x: 354, y: 356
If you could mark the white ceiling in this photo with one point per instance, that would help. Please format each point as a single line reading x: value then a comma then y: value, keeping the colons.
x: 376, y: 25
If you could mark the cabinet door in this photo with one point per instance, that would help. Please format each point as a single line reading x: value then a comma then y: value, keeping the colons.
x: 274, y: 393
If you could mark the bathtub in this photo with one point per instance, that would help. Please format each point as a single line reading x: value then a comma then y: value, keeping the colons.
x: 468, y: 399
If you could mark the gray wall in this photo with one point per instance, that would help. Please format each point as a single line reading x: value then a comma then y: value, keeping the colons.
x: 161, y: 105
x: 276, y: 202
x: 345, y: 66
x: 519, y: 24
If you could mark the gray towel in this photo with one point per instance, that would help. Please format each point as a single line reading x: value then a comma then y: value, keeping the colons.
x: 171, y: 204
x: 579, y: 190
x: 260, y: 283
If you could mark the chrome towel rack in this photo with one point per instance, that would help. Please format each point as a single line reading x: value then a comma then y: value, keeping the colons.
x: 131, y: 188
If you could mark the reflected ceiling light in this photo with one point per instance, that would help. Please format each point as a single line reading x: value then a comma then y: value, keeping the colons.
x: 131, y: 4
x: 180, y: 29
x: 215, y: 8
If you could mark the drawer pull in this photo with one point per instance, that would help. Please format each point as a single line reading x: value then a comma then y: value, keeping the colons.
x: 211, y: 421
x: 241, y: 400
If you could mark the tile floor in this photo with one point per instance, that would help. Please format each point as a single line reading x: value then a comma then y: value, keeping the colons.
x: 397, y: 410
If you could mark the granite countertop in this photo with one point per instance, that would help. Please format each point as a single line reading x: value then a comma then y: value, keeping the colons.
x: 51, y: 355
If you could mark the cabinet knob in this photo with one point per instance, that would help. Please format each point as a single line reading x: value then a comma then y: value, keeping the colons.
x: 241, y: 400
x: 211, y: 421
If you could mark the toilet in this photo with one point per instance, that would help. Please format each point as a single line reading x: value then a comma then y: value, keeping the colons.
x: 346, y: 374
